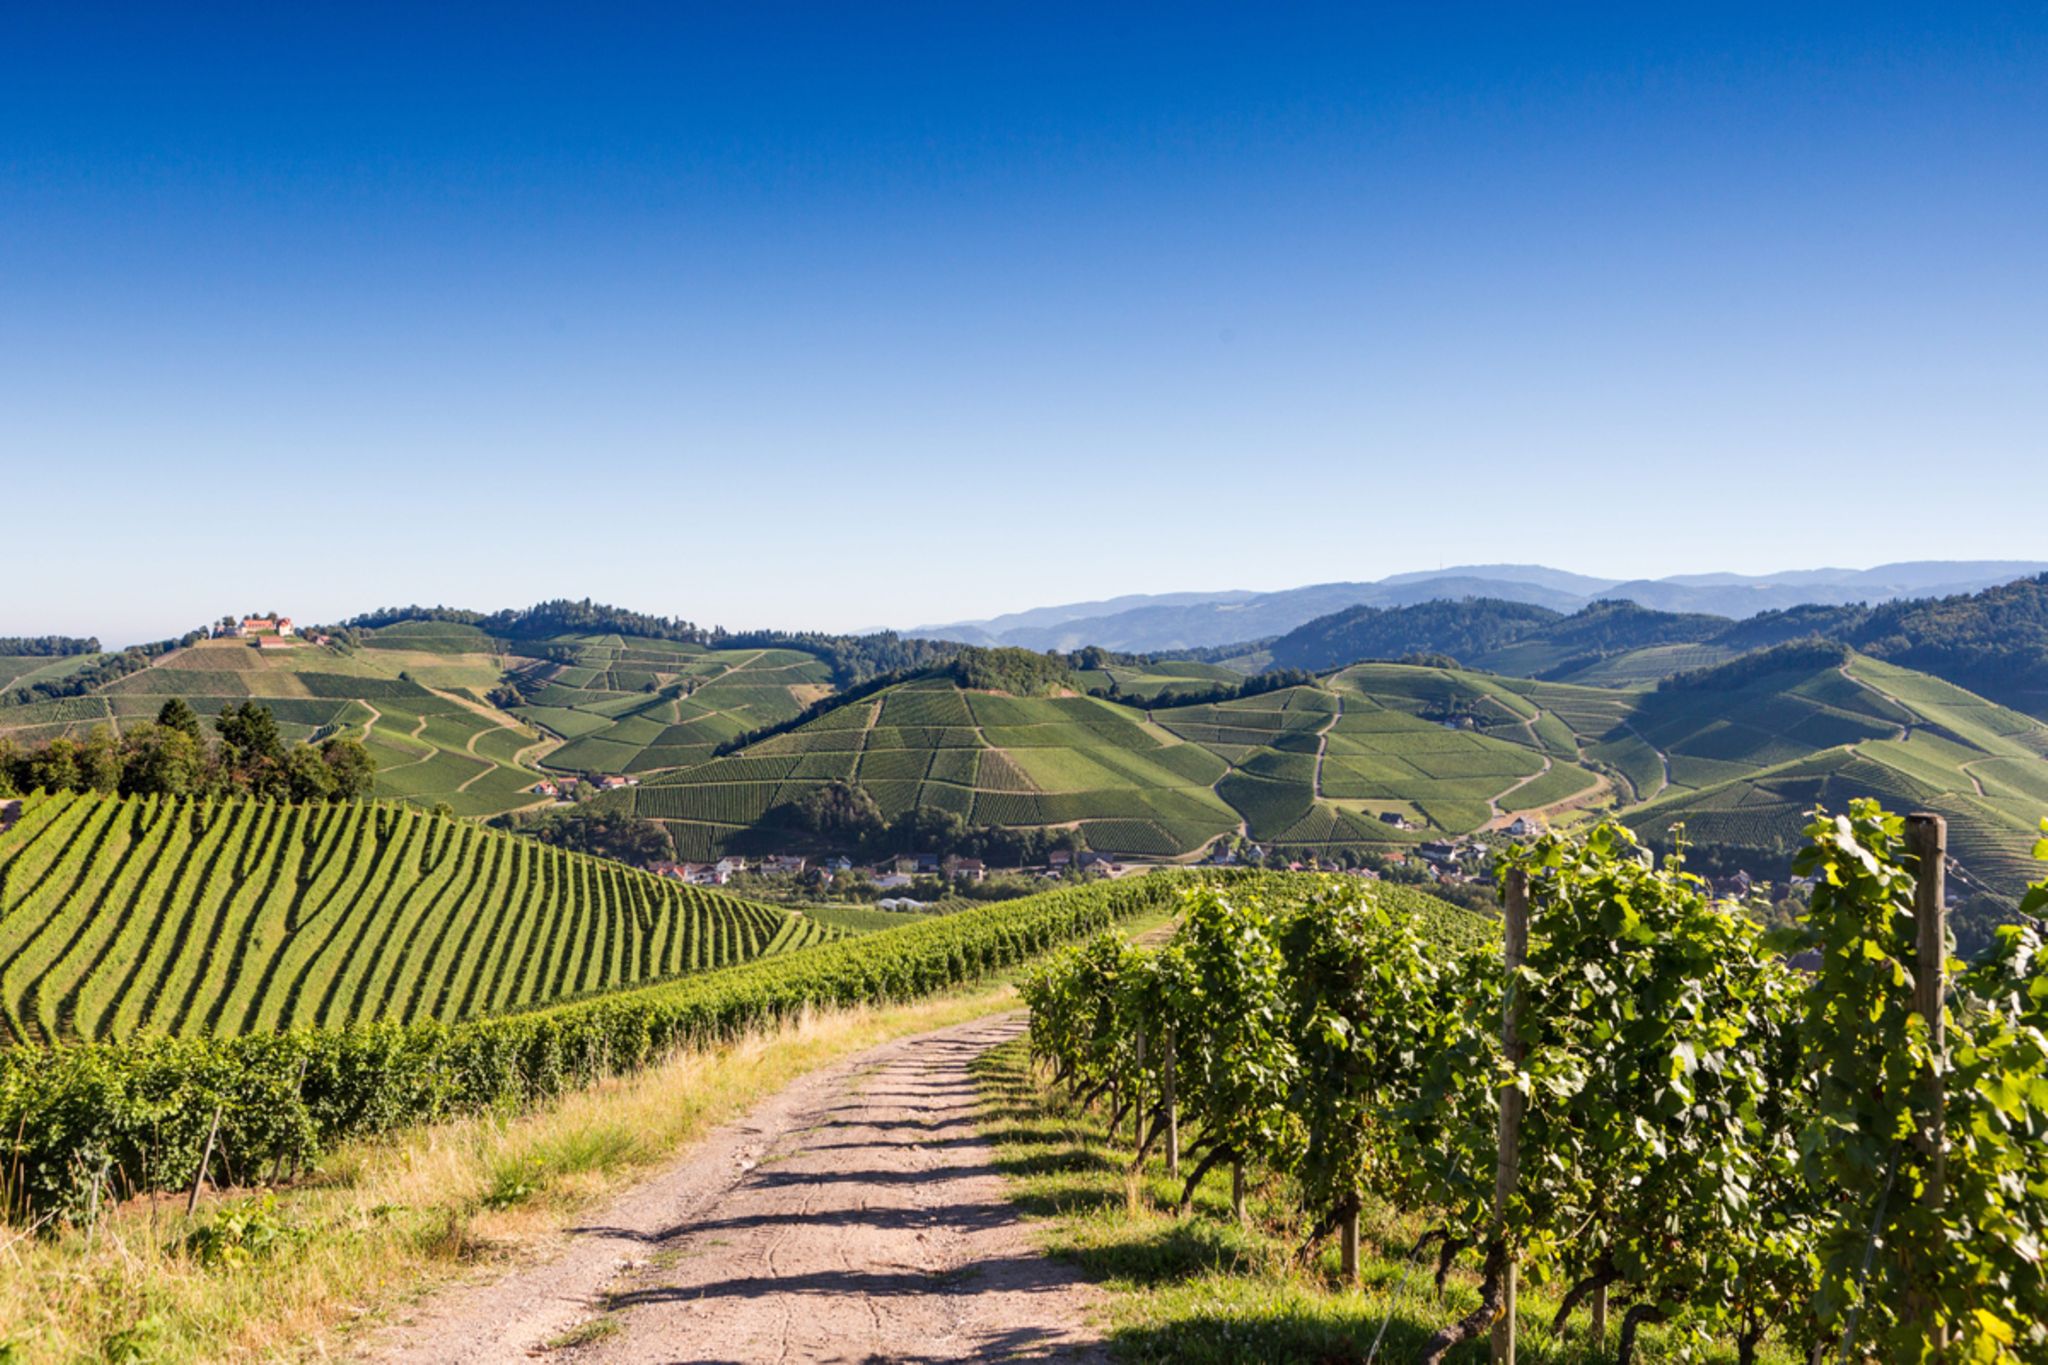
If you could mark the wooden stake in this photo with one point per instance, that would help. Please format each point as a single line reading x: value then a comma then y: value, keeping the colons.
x: 1172, y: 1112
x: 1600, y: 1314
x: 1927, y: 841
x: 1138, y: 1095
x: 1350, y: 1245
x: 1513, y: 950
x: 205, y: 1160
x: 1237, y: 1189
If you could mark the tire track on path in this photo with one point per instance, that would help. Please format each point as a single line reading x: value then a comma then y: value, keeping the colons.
x: 856, y: 1216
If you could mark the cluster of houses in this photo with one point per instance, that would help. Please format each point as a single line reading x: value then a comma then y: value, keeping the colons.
x: 891, y: 874
x: 267, y: 633
x: 563, y: 788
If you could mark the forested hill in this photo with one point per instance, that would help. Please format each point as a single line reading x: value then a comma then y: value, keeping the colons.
x: 1994, y: 642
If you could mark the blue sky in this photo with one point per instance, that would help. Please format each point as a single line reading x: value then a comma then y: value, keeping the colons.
x: 856, y: 315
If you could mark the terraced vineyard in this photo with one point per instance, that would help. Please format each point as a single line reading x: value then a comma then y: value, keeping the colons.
x: 413, y: 699
x: 989, y: 757
x: 1744, y: 776
x: 631, y: 705
x: 127, y: 916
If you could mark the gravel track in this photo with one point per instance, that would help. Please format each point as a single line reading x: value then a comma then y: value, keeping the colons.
x: 855, y: 1216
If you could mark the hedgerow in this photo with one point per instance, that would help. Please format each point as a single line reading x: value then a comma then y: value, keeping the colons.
x: 134, y: 1116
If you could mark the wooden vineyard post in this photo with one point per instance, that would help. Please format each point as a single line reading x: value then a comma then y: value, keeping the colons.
x: 1927, y: 841
x: 1237, y: 1189
x: 1350, y: 1245
x: 1513, y: 950
x: 1600, y: 1315
x: 1138, y: 1095
x: 205, y: 1160
x: 1172, y: 1111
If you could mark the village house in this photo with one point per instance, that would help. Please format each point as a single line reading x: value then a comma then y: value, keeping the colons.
x: 784, y: 864
x: 546, y: 788
x: 678, y: 871
x: 965, y: 869
x: 612, y: 782
x: 1059, y: 860
x: 1525, y: 827
x: 1440, y: 853
x: 728, y: 868
x: 1394, y: 818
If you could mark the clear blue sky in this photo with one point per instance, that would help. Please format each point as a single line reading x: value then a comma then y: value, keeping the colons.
x: 871, y: 314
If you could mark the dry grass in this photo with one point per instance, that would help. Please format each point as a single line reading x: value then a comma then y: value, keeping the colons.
x: 381, y: 1223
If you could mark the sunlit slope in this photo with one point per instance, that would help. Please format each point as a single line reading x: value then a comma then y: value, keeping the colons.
x: 989, y: 757
x: 121, y: 916
x: 632, y: 705
x: 1909, y: 739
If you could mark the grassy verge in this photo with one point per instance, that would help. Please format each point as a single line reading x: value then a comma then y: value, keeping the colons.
x: 301, y: 1271
x: 1204, y: 1288
x: 292, y: 1273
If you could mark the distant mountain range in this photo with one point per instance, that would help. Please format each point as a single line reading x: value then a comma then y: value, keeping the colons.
x: 1200, y: 620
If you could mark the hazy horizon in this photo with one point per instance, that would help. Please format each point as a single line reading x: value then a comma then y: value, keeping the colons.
x: 825, y: 318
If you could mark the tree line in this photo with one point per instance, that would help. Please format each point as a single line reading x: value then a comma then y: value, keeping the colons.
x: 246, y: 756
x: 843, y: 817
x: 98, y: 673
x: 48, y: 646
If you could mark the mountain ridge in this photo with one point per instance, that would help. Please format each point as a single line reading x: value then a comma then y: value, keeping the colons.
x: 1166, y: 621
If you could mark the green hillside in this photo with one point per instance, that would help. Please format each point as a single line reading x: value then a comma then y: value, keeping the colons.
x: 1745, y: 776
x: 631, y: 705
x: 415, y: 703
x: 992, y: 758
x: 417, y: 693
x: 123, y: 916
x: 1309, y: 765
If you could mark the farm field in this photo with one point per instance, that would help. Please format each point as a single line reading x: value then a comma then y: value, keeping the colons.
x: 128, y: 916
x: 1307, y: 765
x: 418, y: 707
x: 989, y: 757
x: 22, y: 670
x: 629, y: 705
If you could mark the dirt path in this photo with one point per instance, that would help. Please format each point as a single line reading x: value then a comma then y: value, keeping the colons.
x: 854, y: 1217
x: 1323, y: 746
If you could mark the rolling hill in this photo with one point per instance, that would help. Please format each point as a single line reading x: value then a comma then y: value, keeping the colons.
x: 631, y: 705
x: 1994, y: 642
x: 1194, y: 620
x: 990, y: 757
x: 1326, y: 766
x: 125, y: 916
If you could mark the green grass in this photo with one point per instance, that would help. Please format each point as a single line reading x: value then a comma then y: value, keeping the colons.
x: 1204, y: 1288
x: 126, y: 916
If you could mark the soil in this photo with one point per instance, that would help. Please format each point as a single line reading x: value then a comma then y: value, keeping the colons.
x: 855, y: 1216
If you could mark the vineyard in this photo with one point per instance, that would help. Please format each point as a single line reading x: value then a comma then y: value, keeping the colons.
x: 628, y: 705
x: 988, y: 757
x: 1634, y: 1095
x: 146, y: 1113
x: 125, y: 917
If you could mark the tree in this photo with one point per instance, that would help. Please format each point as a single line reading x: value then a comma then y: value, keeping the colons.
x: 177, y: 714
x: 99, y: 761
x: 307, y: 776
x: 163, y: 760
x: 52, y: 768
x: 351, y: 768
x: 836, y: 813
x: 254, y: 756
